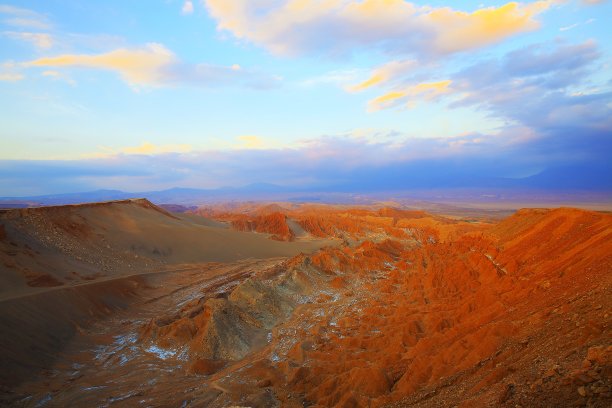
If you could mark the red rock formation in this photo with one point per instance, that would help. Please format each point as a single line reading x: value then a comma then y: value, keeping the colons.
x: 459, y: 309
x: 273, y: 223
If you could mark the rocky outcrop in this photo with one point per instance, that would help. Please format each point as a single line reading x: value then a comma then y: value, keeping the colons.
x: 450, y: 314
x: 273, y: 223
x: 230, y: 325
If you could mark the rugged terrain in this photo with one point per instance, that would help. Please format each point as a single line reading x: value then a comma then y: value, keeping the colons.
x: 126, y: 304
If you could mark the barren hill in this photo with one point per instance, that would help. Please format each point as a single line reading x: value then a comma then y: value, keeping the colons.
x: 64, y: 267
x: 64, y: 245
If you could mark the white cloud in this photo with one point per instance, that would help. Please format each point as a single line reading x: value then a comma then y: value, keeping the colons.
x: 187, y: 7
x: 572, y: 26
x: 24, y: 18
x: 11, y: 76
x: 10, y: 72
x: 58, y: 76
x: 569, y: 27
x: 39, y: 40
x: 146, y: 148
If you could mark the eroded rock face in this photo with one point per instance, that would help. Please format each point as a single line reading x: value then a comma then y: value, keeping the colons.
x: 274, y: 223
x: 446, y: 308
x: 230, y: 325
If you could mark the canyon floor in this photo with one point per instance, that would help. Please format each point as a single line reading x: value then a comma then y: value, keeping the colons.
x: 290, y: 305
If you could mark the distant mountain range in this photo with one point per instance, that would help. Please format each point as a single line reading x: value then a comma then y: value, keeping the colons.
x: 426, y: 181
x: 175, y: 195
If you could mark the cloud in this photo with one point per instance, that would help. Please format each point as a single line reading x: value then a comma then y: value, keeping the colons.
x: 459, y: 30
x: 10, y: 72
x: 187, y: 7
x: 250, y: 141
x: 141, y: 66
x: 337, y: 27
x: 210, y: 75
x: 343, y: 162
x: 550, y: 59
x: 541, y: 86
x: 569, y: 27
x: 424, y: 91
x: 39, y: 40
x: 155, y: 65
x: 384, y: 74
x: 149, y: 148
x: 572, y: 26
x: 146, y: 148
x: 24, y: 18
x: 58, y: 76
x: 536, y: 86
x: 11, y: 76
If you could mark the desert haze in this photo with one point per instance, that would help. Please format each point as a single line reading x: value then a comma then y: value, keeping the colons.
x: 124, y: 303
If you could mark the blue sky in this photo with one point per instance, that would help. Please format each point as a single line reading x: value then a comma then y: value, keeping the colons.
x: 150, y: 95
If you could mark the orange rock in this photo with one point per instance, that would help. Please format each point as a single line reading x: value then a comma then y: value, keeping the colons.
x: 370, y: 381
x: 601, y: 355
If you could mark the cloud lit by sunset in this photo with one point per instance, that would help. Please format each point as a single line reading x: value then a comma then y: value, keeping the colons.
x: 506, y: 88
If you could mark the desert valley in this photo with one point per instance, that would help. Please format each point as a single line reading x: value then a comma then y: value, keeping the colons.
x: 125, y: 303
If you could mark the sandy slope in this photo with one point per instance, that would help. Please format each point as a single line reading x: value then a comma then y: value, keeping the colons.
x: 55, y: 246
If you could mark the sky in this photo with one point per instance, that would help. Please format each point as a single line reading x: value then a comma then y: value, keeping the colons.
x: 143, y: 96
